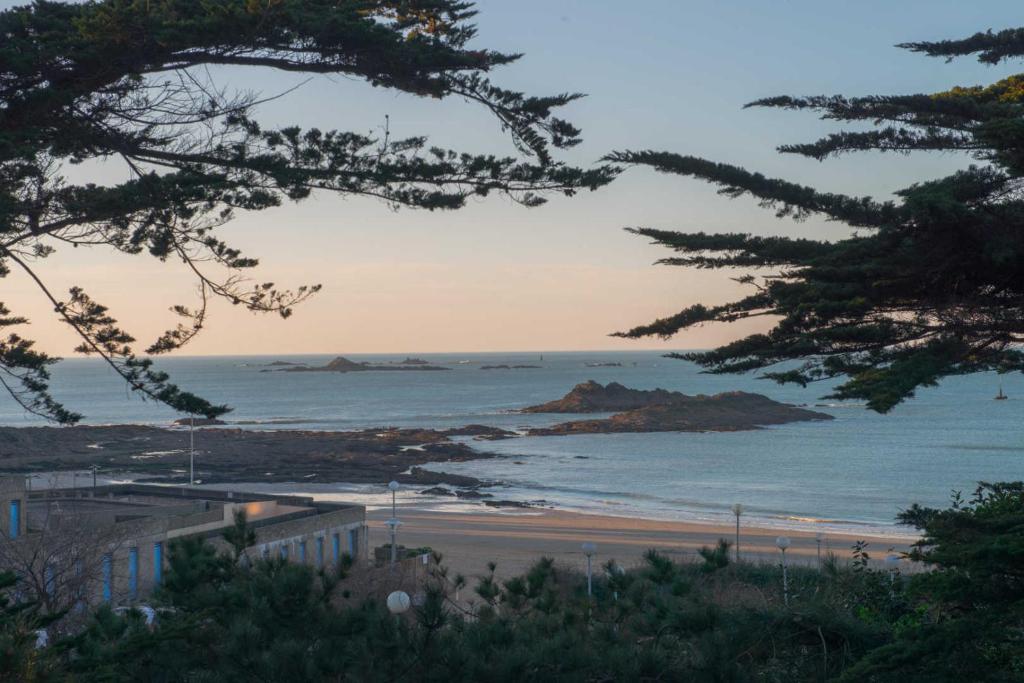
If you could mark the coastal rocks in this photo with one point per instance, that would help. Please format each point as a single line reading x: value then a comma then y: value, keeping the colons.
x: 437, y: 491
x: 198, y: 422
x: 666, y: 411
x: 342, y: 364
x: 236, y: 455
x: 592, y: 397
x: 511, y: 367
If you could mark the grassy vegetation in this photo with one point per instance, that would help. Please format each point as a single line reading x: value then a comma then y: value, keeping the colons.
x: 711, y: 620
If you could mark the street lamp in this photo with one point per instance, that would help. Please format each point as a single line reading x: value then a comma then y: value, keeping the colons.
x: 393, y: 523
x: 398, y: 602
x: 819, y: 537
x: 892, y: 563
x: 589, y: 549
x: 782, y: 542
x: 737, y: 510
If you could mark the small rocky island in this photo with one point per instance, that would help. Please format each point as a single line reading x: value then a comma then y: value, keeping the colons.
x: 341, y: 364
x: 660, y: 410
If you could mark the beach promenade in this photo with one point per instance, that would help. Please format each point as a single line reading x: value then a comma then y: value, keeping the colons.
x: 468, y: 541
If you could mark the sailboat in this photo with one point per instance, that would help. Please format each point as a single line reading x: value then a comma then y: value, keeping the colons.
x: 1001, y: 396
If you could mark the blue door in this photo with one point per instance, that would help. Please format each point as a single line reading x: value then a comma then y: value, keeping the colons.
x: 302, y: 552
x: 320, y: 551
x: 353, y: 542
x: 337, y: 549
x: 15, y: 519
x: 133, y: 572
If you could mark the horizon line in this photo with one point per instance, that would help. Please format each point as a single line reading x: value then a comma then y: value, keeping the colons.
x: 78, y: 356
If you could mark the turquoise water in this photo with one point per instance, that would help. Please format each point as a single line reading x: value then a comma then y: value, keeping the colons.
x: 856, y: 471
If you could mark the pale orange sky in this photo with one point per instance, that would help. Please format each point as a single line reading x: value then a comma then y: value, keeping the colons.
x: 499, y: 277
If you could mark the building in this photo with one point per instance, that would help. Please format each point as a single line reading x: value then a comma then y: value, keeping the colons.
x: 110, y: 543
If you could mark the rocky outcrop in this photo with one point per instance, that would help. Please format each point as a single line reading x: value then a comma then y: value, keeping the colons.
x: 591, y: 397
x: 235, y: 455
x: 342, y: 364
x: 198, y: 422
x: 667, y: 411
x: 510, y: 367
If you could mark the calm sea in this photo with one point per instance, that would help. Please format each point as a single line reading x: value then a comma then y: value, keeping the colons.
x: 857, y: 471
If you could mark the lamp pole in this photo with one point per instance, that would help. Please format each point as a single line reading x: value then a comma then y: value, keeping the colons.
x: 782, y: 542
x: 191, y: 450
x: 892, y: 562
x: 737, y: 510
x: 819, y: 537
x: 393, y: 522
x: 590, y: 549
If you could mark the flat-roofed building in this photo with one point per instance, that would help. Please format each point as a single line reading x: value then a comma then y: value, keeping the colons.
x: 110, y: 543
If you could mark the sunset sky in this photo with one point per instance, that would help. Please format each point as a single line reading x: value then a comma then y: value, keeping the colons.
x: 662, y: 74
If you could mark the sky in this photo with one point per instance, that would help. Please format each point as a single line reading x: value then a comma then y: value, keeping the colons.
x: 662, y: 74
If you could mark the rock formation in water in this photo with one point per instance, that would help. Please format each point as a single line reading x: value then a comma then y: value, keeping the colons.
x: 341, y: 364
x: 592, y: 397
x: 666, y: 411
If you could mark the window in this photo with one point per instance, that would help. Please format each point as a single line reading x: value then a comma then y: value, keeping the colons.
x: 320, y: 551
x: 337, y: 549
x: 353, y: 542
x: 15, y: 519
x: 158, y: 562
x: 302, y: 552
x: 108, y: 576
x: 133, y: 572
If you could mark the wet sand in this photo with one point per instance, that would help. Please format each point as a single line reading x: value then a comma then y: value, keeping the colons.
x: 514, y: 540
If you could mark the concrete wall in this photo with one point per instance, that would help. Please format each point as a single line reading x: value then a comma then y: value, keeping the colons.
x: 121, y: 528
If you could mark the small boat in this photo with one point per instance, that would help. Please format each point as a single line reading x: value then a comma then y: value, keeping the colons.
x: 1001, y: 396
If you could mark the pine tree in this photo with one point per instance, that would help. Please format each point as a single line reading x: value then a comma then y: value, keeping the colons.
x: 930, y: 285
x: 127, y: 83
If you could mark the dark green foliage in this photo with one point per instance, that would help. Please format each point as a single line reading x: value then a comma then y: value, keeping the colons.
x: 715, y: 558
x: 969, y: 621
x: 19, y: 621
x: 240, y: 535
x: 130, y: 85
x: 930, y: 285
x: 223, y: 620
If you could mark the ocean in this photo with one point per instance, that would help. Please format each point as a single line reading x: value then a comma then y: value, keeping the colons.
x: 854, y: 473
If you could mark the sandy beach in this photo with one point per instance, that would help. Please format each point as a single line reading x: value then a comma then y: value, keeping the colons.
x: 514, y: 541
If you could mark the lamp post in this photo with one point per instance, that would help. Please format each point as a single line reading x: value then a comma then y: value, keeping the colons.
x: 737, y: 510
x: 892, y: 563
x: 393, y: 523
x: 191, y: 450
x: 782, y: 542
x: 589, y: 549
x: 398, y: 603
x: 95, y: 469
x: 818, y: 538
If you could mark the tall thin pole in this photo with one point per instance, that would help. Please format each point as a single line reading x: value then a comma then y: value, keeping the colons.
x: 737, y: 510
x: 191, y: 450
x: 785, y: 579
x: 590, y: 583
x: 393, y: 523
